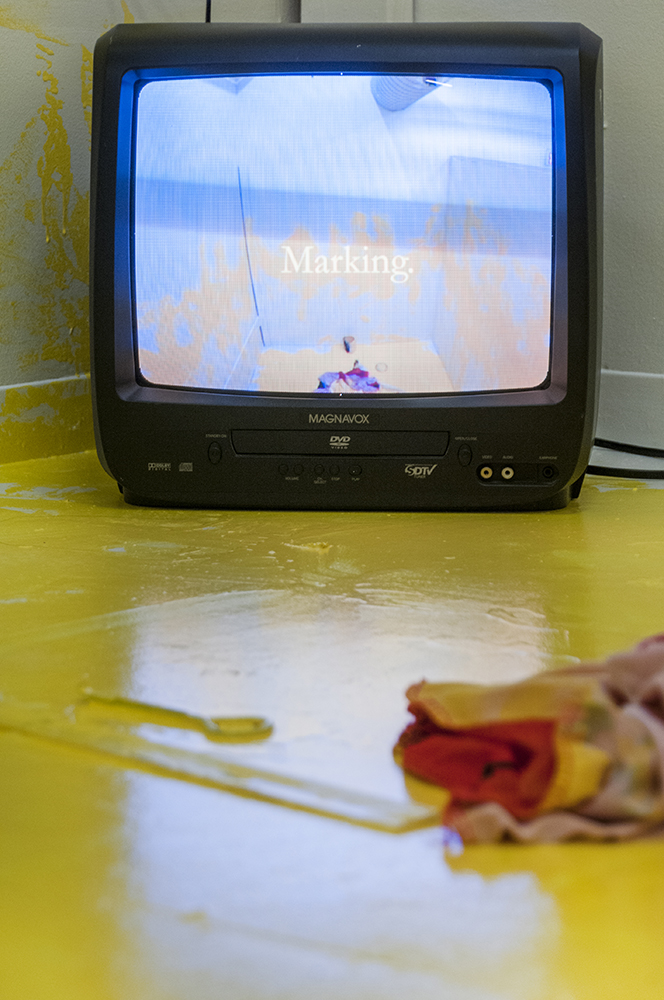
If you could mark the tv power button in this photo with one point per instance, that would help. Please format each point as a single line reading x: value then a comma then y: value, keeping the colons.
x: 214, y: 453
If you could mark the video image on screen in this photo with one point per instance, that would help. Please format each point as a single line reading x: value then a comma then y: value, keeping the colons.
x: 343, y: 233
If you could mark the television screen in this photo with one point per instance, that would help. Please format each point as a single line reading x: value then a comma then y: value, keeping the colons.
x: 340, y: 233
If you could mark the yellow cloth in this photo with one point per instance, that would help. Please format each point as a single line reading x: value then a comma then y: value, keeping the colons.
x: 580, y: 771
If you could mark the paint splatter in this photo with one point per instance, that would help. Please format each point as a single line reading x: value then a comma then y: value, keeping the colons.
x: 43, y: 254
x: 8, y: 19
x: 86, y: 86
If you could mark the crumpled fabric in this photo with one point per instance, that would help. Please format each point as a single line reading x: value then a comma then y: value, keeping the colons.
x: 357, y: 379
x: 571, y: 754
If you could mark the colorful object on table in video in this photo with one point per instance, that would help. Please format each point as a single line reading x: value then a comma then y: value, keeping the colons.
x: 357, y: 379
x: 576, y: 753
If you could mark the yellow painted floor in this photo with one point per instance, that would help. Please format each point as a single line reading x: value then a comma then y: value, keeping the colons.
x: 126, y: 874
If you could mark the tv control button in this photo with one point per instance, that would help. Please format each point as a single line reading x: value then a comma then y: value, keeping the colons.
x: 298, y: 470
x: 465, y: 454
x: 214, y: 453
x: 283, y: 469
x: 319, y: 469
x: 334, y: 470
x: 355, y: 470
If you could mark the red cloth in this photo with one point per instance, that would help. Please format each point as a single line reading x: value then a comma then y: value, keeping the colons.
x: 511, y: 763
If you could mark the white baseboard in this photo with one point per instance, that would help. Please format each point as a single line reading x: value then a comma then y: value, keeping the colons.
x: 631, y: 408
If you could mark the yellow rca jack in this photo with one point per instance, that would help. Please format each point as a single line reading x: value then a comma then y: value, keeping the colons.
x: 507, y: 472
x: 486, y: 472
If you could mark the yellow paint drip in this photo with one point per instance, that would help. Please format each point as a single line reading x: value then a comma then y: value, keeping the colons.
x: 66, y: 259
x: 128, y: 16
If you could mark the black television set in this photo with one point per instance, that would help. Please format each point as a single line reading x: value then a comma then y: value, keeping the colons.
x: 346, y: 266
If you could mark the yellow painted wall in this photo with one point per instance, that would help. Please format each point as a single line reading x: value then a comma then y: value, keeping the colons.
x: 46, y: 72
x: 46, y: 85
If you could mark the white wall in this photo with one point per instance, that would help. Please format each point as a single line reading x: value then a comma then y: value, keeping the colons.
x: 632, y: 397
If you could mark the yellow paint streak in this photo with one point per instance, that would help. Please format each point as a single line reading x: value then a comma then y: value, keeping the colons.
x: 43, y: 292
x: 54, y: 167
x: 86, y: 86
x: 129, y: 712
x: 8, y: 19
x: 128, y: 16
x: 64, y: 218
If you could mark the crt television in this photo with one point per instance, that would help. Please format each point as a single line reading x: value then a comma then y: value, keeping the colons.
x: 346, y: 266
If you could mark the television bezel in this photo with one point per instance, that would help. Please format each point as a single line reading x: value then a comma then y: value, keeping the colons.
x: 129, y: 54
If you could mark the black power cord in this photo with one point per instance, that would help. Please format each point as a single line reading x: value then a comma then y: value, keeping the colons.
x: 208, y: 11
x: 630, y: 449
x: 633, y: 449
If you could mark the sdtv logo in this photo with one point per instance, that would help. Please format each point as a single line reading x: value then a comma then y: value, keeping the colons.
x: 419, y: 471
